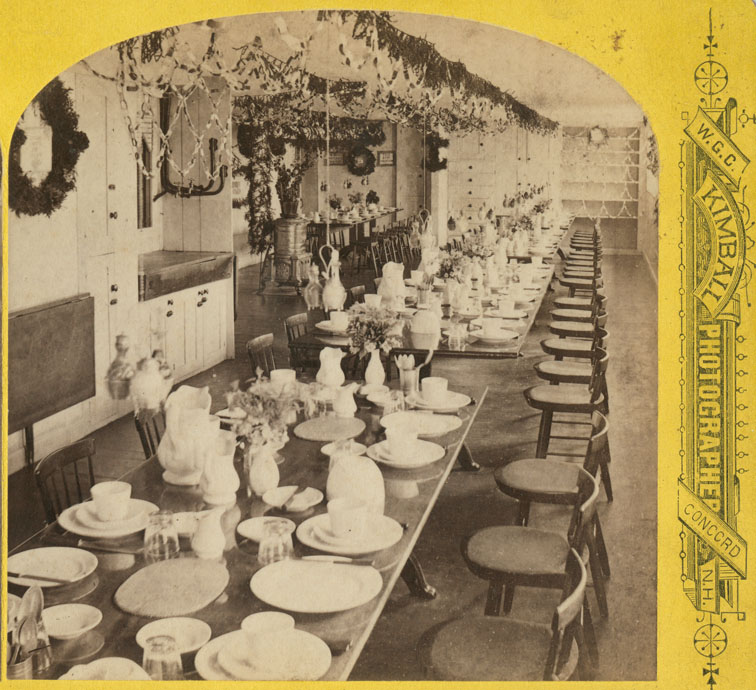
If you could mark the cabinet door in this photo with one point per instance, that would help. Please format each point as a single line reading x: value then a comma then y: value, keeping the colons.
x: 193, y: 341
x: 174, y: 310
x: 213, y: 316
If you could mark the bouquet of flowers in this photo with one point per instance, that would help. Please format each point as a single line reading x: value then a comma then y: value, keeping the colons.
x: 263, y: 412
x: 476, y: 248
x: 451, y: 263
x: 541, y: 206
x: 524, y: 223
x: 371, y: 329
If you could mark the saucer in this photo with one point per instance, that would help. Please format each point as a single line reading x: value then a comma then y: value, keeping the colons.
x: 380, y: 533
x: 514, y: 314
x: 355, y: 448
x: 253, y: 528
x: 307, y: 498
x: 328, y: 327
x: 451, y: 403
x: 428, y: 424
x: 87, y: 515
x: 424, y: 453
x: 500, y: 336
x: 69, y: 520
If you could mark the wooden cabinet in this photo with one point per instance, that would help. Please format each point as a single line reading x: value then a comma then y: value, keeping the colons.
x: 189, y: 326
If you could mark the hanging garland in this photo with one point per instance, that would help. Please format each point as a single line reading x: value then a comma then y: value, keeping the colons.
x: 433, y: 160
x: 57, y: 110
x: 360, y: 160
x: 259, y: 175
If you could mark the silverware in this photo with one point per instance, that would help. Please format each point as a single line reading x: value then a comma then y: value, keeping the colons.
x: 39, y: 578
x: 339, y: 560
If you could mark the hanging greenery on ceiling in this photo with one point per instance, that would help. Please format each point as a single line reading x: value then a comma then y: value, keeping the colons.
x: 68, y: 143
x: 434, y: 144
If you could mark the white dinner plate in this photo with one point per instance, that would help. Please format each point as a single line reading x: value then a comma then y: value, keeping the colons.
x: 451, y: 403
x: 524, y: 299
x: 424, y: 454
x: 67, y: 621
x: 297, y: 656
x: 315, y: 586
x: 328, y: 327
x: 380, y: 533
x: 427, y: 424
x: 253, y: 527
x: 498, y: 338
x: 189, y: 633
x: 87, y: 515
x: 61, y: 562
x: 514, y: 314
x: 277, y: 655
x: 107, y: 668
x: 354, y: 448
x: 70, y: 521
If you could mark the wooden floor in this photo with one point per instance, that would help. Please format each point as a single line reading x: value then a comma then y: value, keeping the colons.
x: 505, y: 430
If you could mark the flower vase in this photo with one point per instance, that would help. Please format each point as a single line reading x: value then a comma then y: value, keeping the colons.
x: 261, y: 469
x: 374, y: 373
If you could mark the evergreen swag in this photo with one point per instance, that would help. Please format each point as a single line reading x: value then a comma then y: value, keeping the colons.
x: 56, y: 109
x: 434, y: 142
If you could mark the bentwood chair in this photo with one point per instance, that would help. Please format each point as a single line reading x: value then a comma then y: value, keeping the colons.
x: 65, y: 477
x: 567, y: 398
x: 508, y: 556
x: 150, y: 426
x: 489, y: 648
x: 260, y: 353
x: 300, y: 358
x: 375, y: 257
x: 355, y: 294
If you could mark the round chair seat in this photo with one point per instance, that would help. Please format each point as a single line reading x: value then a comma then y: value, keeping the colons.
x: 576, y: 282
x: 564, y: 398
x: 537, y: 476
x: 573, y: 329
x: 567, y: 347
x: 490, y: 648
x: 517, y: 550
x: 581, y: 315
x: 564, y: 371
x: 577, y: 303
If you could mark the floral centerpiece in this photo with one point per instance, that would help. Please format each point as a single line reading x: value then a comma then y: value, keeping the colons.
x: 371, y: 331
x: 451, y: 264
x: 261, y: 415
x: 477, y: 248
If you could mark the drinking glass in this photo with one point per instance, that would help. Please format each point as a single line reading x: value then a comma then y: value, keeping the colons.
x: 408, y: 379
x: 458, y: 337
x: 275, y: 544
x: 161, y: 659
x: 161, y: 540
x: 394, y: 402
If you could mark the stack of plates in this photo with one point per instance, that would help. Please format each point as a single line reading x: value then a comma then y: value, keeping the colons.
x: 498, y: 337
x: 82, y: 519
x: 427, y: 424
x: 277, y: 655
x: 380, y: 533
x: 424, y: 453
x: 60, y: 562
x: 306, y: 586
x: 451, y: 403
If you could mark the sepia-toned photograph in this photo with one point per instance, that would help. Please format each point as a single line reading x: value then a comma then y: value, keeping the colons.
x: 332, y: 355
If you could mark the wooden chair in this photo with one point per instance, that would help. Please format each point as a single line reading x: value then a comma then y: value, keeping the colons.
x: 508, y: 556
x: 579, y: 329
x: 488, y: 648
x: 65, y: 477
x: 260, y: 353
x: 579, y: 348
x: 575, y: 399
x: 300, y: 358
x: 355, y: 294
x: 150, y: 426
x: 596, y: 306
x: 375, y: 257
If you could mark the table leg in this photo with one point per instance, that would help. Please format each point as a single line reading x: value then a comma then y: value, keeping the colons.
x: 465, y: 459
x: 413, y: 576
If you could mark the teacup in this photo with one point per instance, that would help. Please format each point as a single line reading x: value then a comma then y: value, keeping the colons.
x: 280, y: 378
x: 111, y: 500
x: 417, y: 277
x: 347, y: 516
x: 491, y: 326
x: 401, y: 440
x: 372, y: 301
x: 339, y: 320
x: 434, y: 389
x: 506, y: 305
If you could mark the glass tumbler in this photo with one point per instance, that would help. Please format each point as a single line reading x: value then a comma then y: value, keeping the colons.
x: 394, y: 402
x: 408, y: 380
x: 161, y: 540
x: 275, y: 544
x: 161, y: 659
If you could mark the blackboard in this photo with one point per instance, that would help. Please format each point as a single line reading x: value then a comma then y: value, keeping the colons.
x: 50, y: 359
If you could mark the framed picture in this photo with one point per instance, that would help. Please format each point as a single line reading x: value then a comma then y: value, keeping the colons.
x: 386, y: 157
x: 336, y: 158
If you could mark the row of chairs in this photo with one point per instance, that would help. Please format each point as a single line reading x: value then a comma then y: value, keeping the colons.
x: 511, y: 556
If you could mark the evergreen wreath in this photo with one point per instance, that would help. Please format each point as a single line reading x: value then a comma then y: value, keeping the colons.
x: 57, y: 110
x: 360, y: 160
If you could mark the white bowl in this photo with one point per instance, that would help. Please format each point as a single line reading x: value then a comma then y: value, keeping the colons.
x: 67, y: 621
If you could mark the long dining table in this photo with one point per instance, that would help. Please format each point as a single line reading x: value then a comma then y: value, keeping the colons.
x: 410, y: 497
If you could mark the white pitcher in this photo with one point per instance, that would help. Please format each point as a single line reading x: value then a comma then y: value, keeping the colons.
x: 356, y: 476
x: 220, y: 481
x: 330, y: 373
